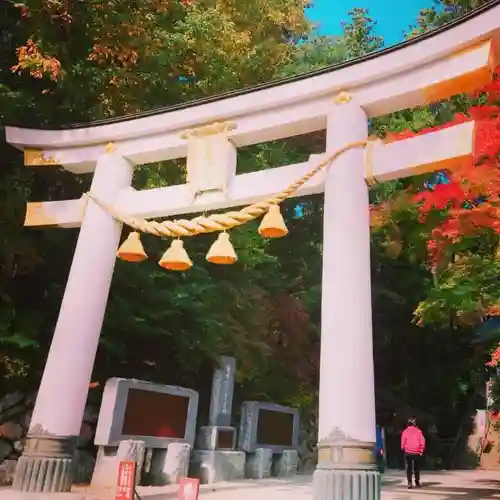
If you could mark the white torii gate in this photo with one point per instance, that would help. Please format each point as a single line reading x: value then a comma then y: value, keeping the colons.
x: 452, y: 61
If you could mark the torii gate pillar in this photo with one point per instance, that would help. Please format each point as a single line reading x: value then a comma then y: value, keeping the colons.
x: 346, y: 460
x: 46, y: 464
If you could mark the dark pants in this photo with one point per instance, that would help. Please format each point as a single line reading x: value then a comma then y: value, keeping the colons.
x: 380, y: 463
x: 412, y: 467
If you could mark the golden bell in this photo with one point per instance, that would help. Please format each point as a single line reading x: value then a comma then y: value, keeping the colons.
x: 131, y: 249
x: 222, y: 251
x: 176, y: 257
x: 273, y: 224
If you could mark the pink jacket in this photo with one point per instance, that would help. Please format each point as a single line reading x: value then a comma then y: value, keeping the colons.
x: 413, y: 441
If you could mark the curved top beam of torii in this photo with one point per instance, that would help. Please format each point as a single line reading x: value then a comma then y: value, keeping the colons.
x: 451, y: 61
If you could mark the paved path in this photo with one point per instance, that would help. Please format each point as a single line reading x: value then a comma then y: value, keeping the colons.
x: 457, y: 485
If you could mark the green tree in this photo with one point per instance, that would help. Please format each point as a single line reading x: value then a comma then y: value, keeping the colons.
x: 359, y: 38
x: 96, y: 59
x: 443, y: 12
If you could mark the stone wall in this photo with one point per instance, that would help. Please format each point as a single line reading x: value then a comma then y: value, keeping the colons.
x: 15, y: 415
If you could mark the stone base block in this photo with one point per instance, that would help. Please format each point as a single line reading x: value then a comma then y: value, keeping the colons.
x: 346, y: 471
x: 216, y: 437
x: 46, y: 465
x: 108, y: 458
x: 7, y: 472
x: 43, y: 475
x: 286, y: 464
x: 259, y: 463
x: 212, y: 466
x: 168, y: 466
x: 343, y: 484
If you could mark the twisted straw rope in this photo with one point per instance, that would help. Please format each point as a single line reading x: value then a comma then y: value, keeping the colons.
x: 222, y: 222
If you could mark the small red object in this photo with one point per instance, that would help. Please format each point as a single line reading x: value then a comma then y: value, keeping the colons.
x: 125, y: 484
x: 189, y: 488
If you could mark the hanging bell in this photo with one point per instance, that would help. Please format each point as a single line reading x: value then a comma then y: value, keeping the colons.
x: 176, y: 257
x: 222, y: 251
x: 131, y: 249
x: 273, y: 224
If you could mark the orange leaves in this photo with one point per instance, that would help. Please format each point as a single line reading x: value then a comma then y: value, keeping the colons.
x: 31, y: 59
x: 58, y: 10
x: 493, y: 310
x: 120, y: 40
x: 162, y: 6
x: 123, y: 56
x: 492, y: 90
x: 495, y: 356
x: 380, y: 215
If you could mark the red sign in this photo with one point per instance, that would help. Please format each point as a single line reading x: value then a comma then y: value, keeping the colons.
x: 188, y: 489
x: 126, y: 480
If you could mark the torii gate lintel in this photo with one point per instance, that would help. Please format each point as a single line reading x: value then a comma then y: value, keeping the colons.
x: 221, y: 189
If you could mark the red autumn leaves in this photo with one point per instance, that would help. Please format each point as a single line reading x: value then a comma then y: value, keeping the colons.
x: 469, y: 203
x: 495, y: 358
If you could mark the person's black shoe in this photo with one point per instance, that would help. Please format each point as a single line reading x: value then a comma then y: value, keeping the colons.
x: 417, y: 485
x: 410, y: 486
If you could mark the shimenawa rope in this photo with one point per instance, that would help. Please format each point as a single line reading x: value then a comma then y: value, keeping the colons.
x: 228, y: 220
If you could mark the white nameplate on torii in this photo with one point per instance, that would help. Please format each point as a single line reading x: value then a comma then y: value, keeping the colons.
x: 211, y: 163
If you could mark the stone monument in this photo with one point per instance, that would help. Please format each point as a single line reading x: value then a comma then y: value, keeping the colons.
x: 215, y: 458
x: 160, y: 418
x: 269, y: 434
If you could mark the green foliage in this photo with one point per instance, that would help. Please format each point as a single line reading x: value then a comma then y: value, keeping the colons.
x: 443, y: 12
x: 316, y: 53
x: 461, y: 291
x: 121, y: 56
x: 359, y: 38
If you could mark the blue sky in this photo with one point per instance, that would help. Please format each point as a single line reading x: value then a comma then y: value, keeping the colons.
x: 392, y: 16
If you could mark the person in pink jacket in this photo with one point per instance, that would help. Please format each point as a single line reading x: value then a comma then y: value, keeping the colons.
x: 413, y: 446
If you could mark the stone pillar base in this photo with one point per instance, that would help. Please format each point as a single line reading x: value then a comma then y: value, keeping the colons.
x: 346, y: 471
x: 346, y: 484
x: 286, y: 464
x: 169, y: 465
x: 46, y: 465
x: 259, y: 464
x: 108, y: 459
x: 43, y: 475
x: 213, y: 466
